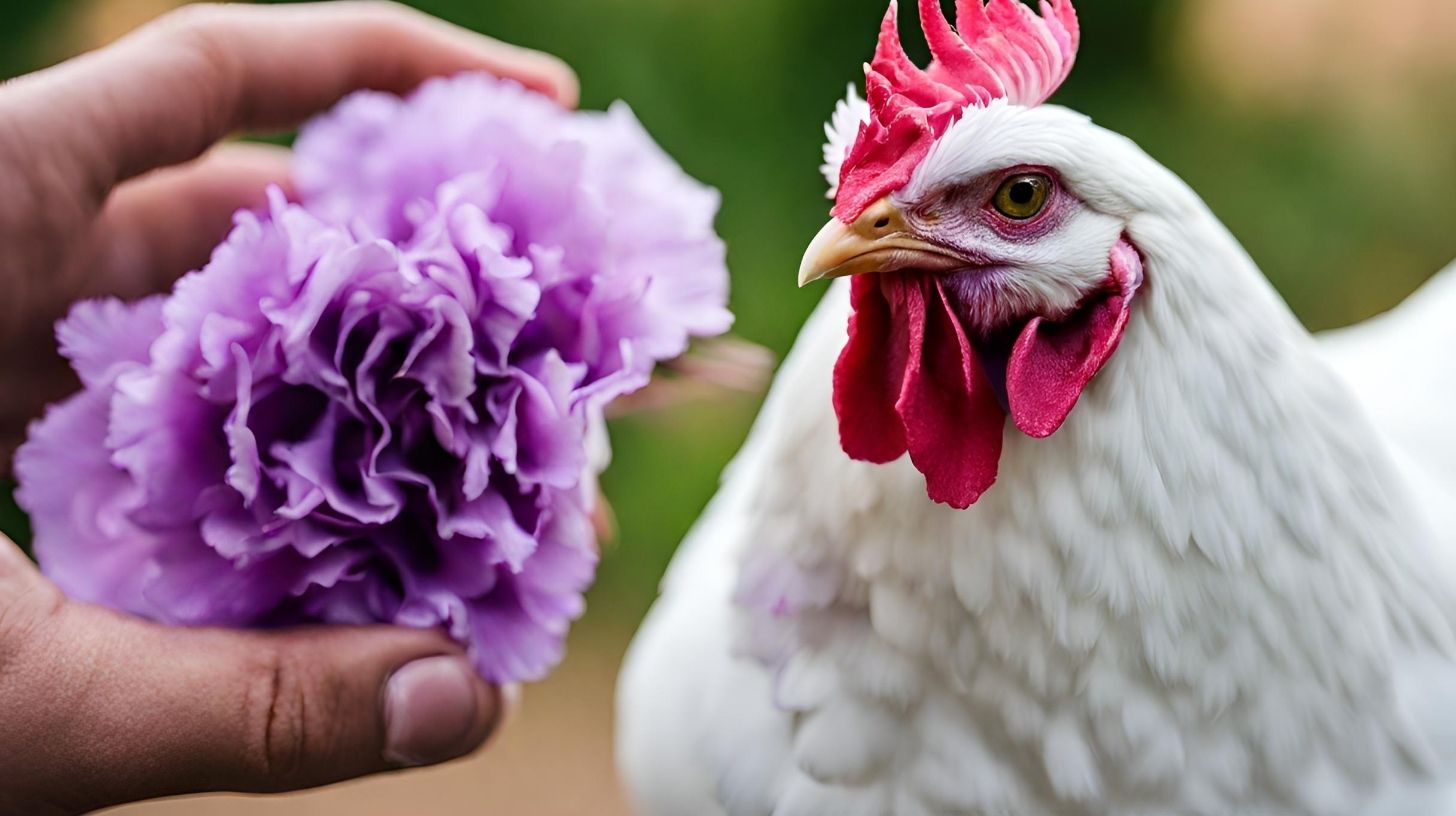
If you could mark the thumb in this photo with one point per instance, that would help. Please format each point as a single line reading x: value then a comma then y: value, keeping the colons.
x: 101, y: 708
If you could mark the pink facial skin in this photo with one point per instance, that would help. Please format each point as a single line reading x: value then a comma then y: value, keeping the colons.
x: 954, y: 210
x: 987, y: 294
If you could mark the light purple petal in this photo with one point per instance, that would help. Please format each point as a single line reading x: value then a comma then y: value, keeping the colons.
x: 99, y: 336
x: 79, y: 505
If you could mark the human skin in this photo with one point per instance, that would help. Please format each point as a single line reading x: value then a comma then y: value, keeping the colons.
x: 112, y: 183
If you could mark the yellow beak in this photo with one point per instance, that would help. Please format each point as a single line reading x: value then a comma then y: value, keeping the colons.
x: 880, y: 240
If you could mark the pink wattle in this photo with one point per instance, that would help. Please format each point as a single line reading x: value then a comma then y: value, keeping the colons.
x: 1052, y: 363
x: 909, y: 379
x: 871, y: 372
x: 953, y: 423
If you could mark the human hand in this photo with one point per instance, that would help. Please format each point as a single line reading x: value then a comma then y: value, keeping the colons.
x: 102, y: 191
x: 99, y: 708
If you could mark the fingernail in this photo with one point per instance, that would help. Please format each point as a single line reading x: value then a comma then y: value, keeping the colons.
x: 432, y: 711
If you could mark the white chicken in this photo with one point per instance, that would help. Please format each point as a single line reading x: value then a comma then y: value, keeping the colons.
x: 1206, y: 567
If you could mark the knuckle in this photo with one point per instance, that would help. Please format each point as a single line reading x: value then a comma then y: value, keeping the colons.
x: 279, y: 717
x: 203, y: 31
x: 200, y: 35
x: 377, y: 15
x: 383, y: 20
x: 27, y: 604
x: 384, y: 9
x: 193, y: 19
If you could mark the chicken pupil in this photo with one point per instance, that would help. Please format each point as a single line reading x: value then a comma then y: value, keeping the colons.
x: 1022, y: 192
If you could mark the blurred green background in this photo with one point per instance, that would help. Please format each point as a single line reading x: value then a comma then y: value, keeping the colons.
x: 1320, y: 130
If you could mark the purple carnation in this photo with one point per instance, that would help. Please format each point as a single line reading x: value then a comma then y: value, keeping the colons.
x: 376, y: 405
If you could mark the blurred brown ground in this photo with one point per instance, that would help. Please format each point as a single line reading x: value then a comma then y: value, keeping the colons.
x: 553, y: 759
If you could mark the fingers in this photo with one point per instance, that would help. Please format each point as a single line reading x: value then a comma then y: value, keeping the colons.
x: 151, y: 230
x: 167, y: 222
x: 168, y: 91
x: 138, y: 710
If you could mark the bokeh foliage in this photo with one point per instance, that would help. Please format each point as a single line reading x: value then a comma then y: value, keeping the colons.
x: 1345, y: 225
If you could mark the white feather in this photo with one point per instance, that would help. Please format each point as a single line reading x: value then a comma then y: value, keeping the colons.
x: 840, y: 133
x: 1402, y: 368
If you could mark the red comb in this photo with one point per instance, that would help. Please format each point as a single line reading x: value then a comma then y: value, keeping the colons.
x: 1003, y: 51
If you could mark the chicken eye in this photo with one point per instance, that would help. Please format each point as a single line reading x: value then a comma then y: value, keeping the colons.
x: 1023, y: 197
